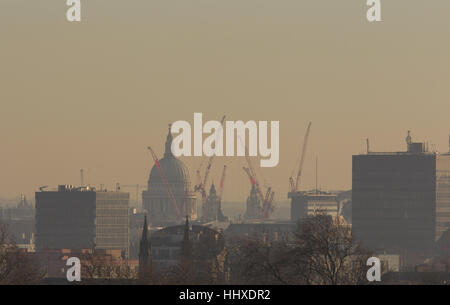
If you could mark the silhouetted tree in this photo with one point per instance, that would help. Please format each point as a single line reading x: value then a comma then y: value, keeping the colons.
x: 322, y: 251
x: 102, y: 267
x: 16, y: 266
x: 325, y: 252
x: 252, y: 261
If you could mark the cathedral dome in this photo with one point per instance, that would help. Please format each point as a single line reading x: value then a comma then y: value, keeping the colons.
x: 175, y: 171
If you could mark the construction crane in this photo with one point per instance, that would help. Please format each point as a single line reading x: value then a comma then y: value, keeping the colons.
x: 81, y: 177
x: 296, y: 184
x: 166, y: 183
x: 252, y: 181
x: 201, y: 187
x: 267, y: 200
x: 267, y: 206
x: 251, y: 172
x: 222, y: 181
x: 268, y: 193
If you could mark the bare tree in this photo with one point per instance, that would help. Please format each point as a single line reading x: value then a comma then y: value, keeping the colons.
x: 16, y: 266
x: 326, y: 253
x: 252, y: 261
x: 103, y: 267
x: 322, y: 251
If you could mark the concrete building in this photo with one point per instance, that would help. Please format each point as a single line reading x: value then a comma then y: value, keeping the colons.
x: 162, y: 211
x: 401, y: 200
x: 82, y: 218
x: 305, y: 204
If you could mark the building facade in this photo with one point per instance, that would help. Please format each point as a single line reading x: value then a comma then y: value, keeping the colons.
x: 305, y: 204
x: 82, y: 218
x: 401, y: 201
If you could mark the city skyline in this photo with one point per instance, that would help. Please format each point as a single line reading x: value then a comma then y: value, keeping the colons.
x: 94, y: 95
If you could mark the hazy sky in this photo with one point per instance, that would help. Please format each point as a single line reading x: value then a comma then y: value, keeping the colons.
x: 94, y: 95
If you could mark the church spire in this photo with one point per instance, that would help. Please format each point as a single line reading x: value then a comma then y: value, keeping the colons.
x: 168, y: 151
x: 212, y: 190
x: 145, y: 252
x: 186, y: 244
x: 186, y: 255
x: 144, y: 237
x: 186, y: 230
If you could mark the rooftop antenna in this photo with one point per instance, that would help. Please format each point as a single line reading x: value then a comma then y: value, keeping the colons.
x: 367, y: 145
x: 81, y: 177
x: 317, y: 166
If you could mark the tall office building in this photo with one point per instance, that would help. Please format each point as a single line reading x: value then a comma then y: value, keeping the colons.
x: 401, y: 200
x: 82, y: 218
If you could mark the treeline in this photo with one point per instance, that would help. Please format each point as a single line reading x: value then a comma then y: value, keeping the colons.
x: 320, y: 251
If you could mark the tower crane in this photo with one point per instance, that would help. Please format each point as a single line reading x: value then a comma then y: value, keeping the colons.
x: 296, y: 184
x: 81, y: 177
x: 267, y: 205
x: 222, y: 181
x: 165, y: 182
x: 201, y: 187
x: 267, y: 200
x: 252, y: 181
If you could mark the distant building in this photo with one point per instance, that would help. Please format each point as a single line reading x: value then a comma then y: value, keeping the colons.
x: 401, y: 200
x: 169, y: 244
x: 156, y: 200
x: 20, y: 223
x: 213, y: 206
x: 82, y: 218
x: 267, y: 231
x: 253, y: 210
x: 305, y: 204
